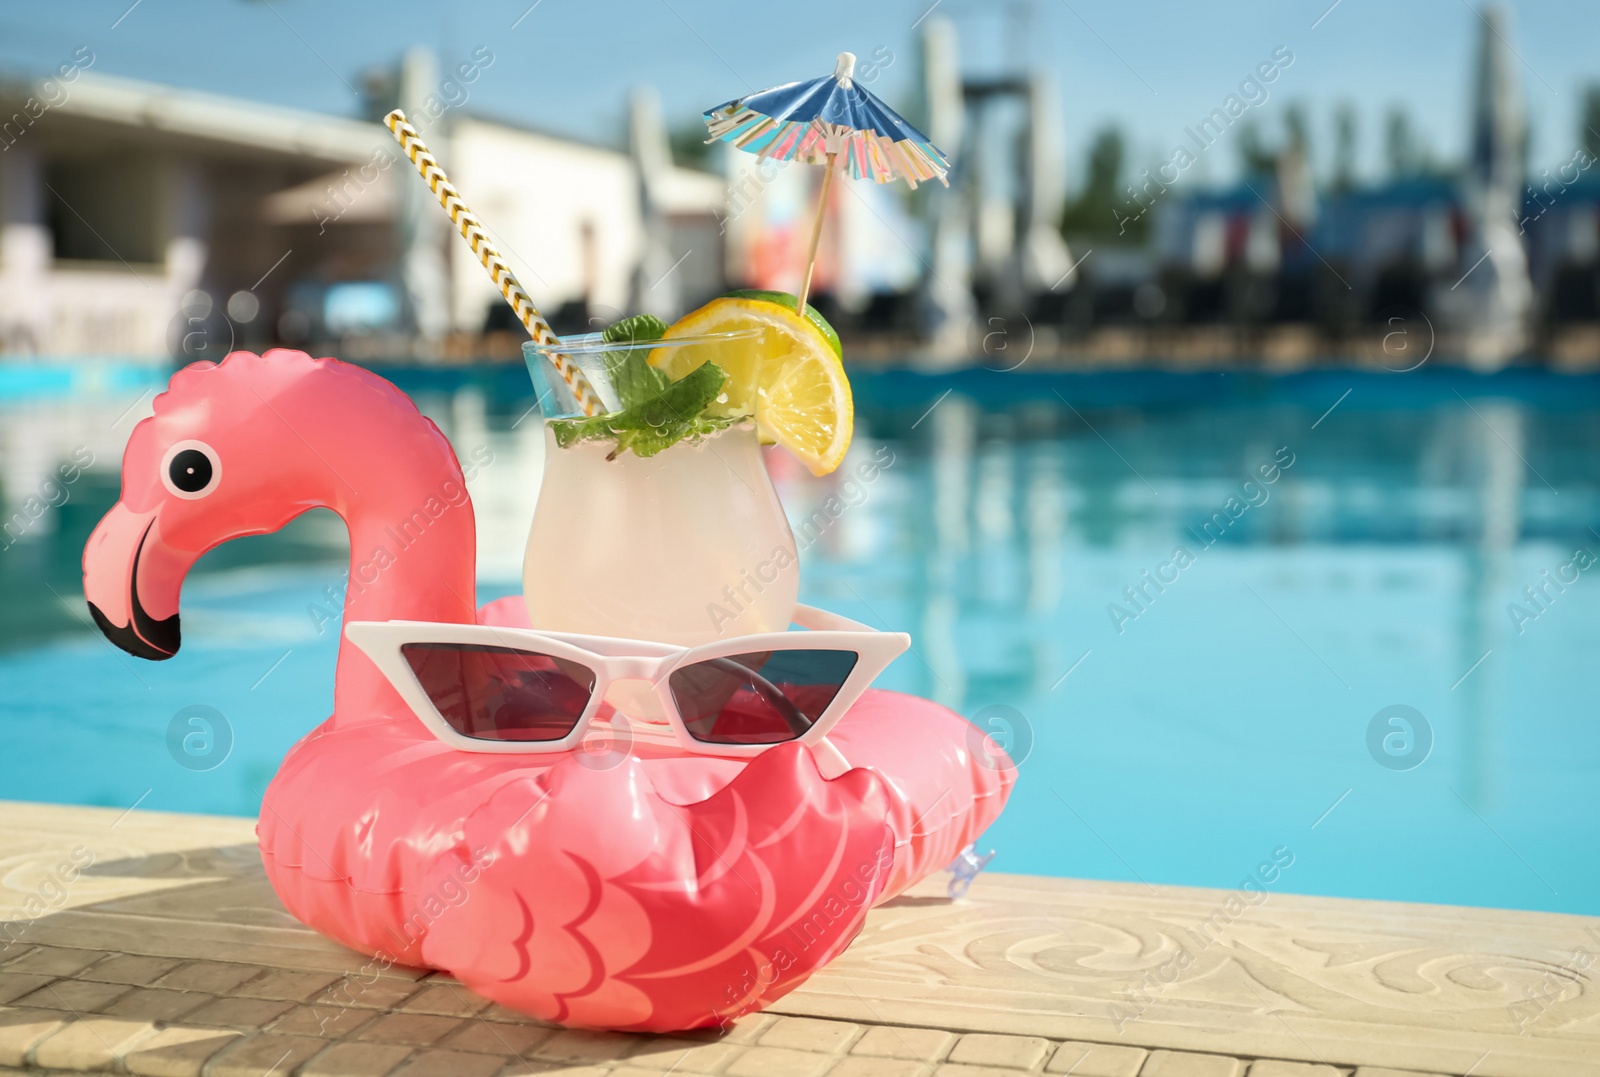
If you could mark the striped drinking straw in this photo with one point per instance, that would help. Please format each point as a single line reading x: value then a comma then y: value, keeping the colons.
x: 473, y: 232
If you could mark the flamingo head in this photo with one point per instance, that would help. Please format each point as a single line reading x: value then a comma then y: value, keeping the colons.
x: 231, y: 450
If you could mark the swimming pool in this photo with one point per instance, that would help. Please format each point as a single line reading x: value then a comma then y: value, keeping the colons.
x: 1331, y: 632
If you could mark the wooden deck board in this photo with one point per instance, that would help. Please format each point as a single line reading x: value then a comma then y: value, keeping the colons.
x: 1350, y: 983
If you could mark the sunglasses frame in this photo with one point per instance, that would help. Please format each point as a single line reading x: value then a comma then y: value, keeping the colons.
x: 615, y: 660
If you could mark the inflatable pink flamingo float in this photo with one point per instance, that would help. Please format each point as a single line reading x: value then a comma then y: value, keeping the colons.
x: 666, y: 891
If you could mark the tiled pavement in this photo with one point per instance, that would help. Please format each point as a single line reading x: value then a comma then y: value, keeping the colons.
x: 169, y: 955
x: 74, y: 1010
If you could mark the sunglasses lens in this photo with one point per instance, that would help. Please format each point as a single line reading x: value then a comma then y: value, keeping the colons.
x: 761, y: 698
x: 500, y: 693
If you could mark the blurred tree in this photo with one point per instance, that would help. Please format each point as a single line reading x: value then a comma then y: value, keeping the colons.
x: 1590, y: 135
x: 1400, y: 148
x: 1297, y: 128
x: 1254, y: 156
x: 689, y: 149
x: 1100, y: 208
x: 1344, y: 147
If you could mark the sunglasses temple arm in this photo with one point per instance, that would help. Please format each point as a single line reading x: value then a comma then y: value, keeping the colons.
x: 812, y: 618
x: 831, y: 762
x: 798, y: 723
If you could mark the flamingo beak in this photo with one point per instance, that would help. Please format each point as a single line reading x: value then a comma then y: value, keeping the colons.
x: 131, y: 579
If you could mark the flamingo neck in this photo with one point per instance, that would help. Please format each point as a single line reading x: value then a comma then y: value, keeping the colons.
x: 413, y: 552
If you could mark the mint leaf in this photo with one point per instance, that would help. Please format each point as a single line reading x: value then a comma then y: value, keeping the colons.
x: 658, y: 439
x: 630, y: 372
x: 634, y: 379
x: 646, y: 442
x: 658, y: 423
x: 670, y: 417
x: 571, y: 431
x: 639, y: 328
x: 683, y: 399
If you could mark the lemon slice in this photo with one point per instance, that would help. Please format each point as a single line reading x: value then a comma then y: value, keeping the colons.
x: 790, y: 377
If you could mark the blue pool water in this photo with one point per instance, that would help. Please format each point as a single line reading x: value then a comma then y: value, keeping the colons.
x: 1223, y: 712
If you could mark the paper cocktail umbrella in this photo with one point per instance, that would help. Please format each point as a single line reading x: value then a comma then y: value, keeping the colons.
x: 833, y: 122
x: 473, y: 232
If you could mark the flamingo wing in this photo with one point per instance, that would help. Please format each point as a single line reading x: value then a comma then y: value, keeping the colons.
x: 597, y: 903
x: 947, y: 781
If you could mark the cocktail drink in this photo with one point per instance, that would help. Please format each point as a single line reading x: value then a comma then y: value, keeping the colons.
x: 657, y: 523
x: 685, y: 545
x: 657, y: 518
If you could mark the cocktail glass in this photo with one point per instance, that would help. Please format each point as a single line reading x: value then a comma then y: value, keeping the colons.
x: 687, y: 546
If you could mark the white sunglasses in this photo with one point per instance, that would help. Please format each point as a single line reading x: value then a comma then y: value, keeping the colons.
x: 482, y: 688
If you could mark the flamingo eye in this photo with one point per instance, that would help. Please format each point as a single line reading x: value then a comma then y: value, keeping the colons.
x: 191, y: 469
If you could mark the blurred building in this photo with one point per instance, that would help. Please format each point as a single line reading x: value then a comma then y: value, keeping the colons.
x: 122, y: 198
x: 142, y: 220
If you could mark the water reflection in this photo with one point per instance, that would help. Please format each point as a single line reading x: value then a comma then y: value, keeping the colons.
x: 1497, y: 439
x: 1003, y: 522
x: 952, y: 427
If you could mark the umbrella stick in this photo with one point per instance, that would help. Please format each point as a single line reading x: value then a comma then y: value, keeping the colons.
x: 816, y: 236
